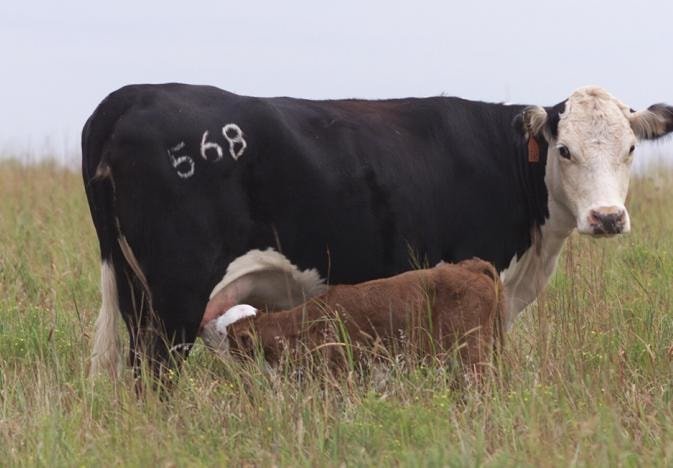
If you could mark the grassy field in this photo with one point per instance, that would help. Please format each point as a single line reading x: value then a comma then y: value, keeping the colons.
x: 586, y: 379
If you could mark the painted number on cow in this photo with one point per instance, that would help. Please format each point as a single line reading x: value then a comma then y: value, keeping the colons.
x: 234, y: 136
x: 210, y: 150
x: 209, y: 145
x: 183, y: 164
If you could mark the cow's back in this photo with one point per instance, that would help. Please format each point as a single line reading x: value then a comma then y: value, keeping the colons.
x: 352, y: 188
x: 325, y: 182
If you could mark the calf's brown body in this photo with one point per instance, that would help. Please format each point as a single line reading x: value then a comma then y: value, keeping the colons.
x: 430, y: 311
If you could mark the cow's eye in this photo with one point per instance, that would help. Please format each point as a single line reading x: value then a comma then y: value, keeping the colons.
x: 564, y: 152
x: 632, y: 149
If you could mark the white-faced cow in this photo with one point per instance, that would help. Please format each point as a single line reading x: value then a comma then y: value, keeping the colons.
x: 182, y: 180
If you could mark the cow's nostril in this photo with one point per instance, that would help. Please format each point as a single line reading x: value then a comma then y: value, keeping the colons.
x: 610, y: 224
x: 594, y: 217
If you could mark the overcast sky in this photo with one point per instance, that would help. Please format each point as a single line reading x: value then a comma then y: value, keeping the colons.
x: 60, y: 58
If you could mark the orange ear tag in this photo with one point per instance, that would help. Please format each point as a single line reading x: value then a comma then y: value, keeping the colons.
x: 533, y: 150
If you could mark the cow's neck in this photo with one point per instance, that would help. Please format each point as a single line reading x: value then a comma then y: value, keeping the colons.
x: 527, y: 276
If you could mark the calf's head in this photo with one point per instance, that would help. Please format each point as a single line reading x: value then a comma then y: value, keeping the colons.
x: 214, y: 332
x: 591, y: 139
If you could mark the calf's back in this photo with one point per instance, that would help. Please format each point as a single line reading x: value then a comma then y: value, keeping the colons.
x: 430, y: 311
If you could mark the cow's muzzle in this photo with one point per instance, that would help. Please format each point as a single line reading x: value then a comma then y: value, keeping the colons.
x: 607, y: 220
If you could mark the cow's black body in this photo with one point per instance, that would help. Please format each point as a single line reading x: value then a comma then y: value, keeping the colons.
x: 349, y: 187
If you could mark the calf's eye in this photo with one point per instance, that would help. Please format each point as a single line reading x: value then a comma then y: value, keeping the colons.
x: 564, y: 152
x: 632, y: 149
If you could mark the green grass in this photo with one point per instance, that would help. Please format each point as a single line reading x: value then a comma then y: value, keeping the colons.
x: 586, y: 378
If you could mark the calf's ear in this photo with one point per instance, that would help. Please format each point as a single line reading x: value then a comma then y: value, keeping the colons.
x: 653, y: 122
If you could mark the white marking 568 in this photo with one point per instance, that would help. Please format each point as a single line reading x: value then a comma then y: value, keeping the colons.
x: 184, y: 164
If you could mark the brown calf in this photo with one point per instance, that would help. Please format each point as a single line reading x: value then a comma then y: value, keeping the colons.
x: 436, y: 310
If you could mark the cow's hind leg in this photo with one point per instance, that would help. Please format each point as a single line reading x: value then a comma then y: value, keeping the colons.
x: 159, y: 353
x: 150, y: 341
x: 157, y: 346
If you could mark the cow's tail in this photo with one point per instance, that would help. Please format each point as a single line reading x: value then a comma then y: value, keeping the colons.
x: 106, y: 353
x: 99, y: 187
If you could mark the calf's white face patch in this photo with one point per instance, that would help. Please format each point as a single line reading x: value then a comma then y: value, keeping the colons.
x: 590, y: 154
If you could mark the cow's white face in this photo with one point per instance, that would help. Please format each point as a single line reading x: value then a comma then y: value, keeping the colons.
x: 589, y: 161
x: 590, y: 155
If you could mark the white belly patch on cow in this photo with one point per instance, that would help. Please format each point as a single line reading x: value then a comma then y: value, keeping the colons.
x: 184, y: 164
x: 274, y: 280
x: 263, y: 279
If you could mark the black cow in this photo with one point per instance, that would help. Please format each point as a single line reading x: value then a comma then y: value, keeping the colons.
x: 182, y: 180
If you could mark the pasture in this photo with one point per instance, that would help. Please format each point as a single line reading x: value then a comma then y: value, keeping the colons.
x: 586, y: 377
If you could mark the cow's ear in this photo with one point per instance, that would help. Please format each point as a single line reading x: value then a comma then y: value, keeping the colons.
x: 531, y: 122
x: 652, y: 123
